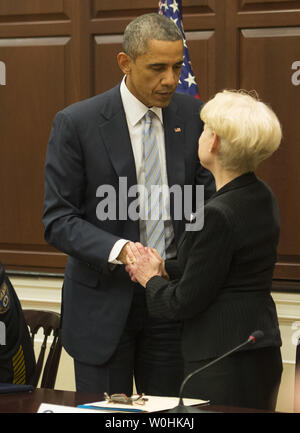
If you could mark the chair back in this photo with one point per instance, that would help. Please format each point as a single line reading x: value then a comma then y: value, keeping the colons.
x: 50, y: 322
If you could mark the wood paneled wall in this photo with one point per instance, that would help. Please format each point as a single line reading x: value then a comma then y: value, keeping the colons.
x: 57, y: 52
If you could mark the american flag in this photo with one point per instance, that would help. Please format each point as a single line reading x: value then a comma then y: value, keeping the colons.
x: 187, y: 82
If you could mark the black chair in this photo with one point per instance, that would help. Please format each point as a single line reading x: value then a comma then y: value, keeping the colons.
x: 50, y: 322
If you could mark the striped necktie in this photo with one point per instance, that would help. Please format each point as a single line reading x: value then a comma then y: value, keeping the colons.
x: 155, y: 234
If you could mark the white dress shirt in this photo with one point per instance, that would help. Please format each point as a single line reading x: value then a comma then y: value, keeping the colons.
x: 135, y: 111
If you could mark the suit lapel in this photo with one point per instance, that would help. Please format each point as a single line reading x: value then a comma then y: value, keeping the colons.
x: 182, y: 240
x: 174, y: 143
x: 114, y: 131
x: 175, y: 157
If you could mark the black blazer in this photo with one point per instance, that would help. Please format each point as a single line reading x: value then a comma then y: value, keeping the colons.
x: 223, y: 275
x: 90, y: 147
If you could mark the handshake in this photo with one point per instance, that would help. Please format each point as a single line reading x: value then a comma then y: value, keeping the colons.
x: 142, y: 263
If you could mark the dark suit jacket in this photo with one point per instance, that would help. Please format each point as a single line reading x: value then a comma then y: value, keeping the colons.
x: 90, y: 147
x: 223, y: 275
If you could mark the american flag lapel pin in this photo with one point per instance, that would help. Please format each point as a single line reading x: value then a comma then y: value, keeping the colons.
x: 177, y: 129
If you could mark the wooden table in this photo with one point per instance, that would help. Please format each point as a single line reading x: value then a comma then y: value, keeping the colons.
x: 30, y: 402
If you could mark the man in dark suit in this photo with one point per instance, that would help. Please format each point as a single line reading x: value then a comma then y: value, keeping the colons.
x: 94, y: 159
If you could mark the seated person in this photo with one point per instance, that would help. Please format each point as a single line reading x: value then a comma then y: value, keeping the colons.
x: 220, y: 285
x: 17, y: 360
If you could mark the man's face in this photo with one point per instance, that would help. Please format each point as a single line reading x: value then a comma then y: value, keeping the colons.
x: 153, y: 77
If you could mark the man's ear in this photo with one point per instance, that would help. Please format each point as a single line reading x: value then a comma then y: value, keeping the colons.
x: 124, y: 62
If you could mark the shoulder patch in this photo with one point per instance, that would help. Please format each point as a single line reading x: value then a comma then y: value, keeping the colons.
x: 4, y: 298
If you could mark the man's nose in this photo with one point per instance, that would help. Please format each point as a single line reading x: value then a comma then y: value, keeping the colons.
x: 170, y: 78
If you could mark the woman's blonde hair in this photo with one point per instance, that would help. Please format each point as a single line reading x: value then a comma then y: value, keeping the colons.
x: 248, y: 130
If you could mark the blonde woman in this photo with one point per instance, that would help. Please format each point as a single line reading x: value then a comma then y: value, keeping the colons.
x: 220, y: 284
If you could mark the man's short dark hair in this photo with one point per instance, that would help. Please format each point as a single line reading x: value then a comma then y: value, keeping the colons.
x: 145, y: 28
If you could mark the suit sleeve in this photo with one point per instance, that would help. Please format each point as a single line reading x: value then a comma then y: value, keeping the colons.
x: 64, y: 206
x: 209, y: 258
x: 173, y: 269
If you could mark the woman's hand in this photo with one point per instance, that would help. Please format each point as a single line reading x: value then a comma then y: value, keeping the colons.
x: 164, y: 273
x: 144, y: 263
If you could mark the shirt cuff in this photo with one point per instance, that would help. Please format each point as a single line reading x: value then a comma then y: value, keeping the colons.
x: 116, y: 249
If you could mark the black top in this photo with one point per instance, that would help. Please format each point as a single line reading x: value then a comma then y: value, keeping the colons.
x: 222, y: 280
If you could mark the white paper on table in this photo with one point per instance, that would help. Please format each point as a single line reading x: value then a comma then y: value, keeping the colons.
x: 56, y: 408
x: 153, y: 404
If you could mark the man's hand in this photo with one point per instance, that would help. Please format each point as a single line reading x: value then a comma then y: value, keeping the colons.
x: 143, y: 263
x: 123, y: 253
